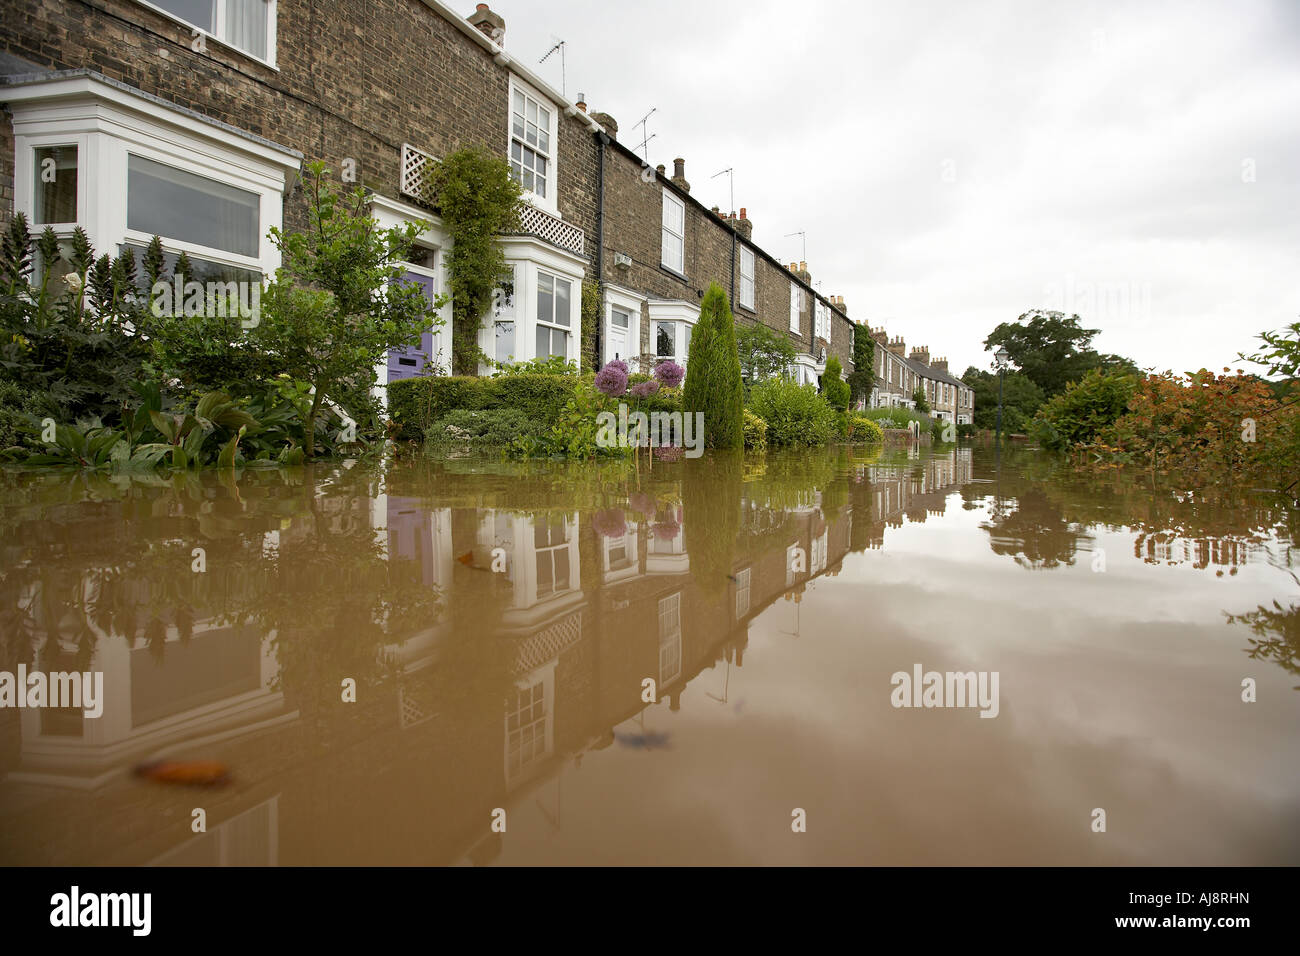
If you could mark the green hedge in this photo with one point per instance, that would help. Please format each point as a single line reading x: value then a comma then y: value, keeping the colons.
x: 416, y: 403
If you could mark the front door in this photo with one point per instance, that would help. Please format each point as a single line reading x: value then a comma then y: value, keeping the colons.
x: 410, y: 362
x: 616, y: 343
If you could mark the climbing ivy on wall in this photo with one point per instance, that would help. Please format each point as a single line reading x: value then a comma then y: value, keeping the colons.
x: 479, y: 202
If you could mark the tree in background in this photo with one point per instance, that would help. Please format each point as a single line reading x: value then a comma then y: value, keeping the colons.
x: 834, y: 387
x: 479, y: 201
x: 1020, y: 399
x: 713, y: 383
x: 863, y: 376
x: 918, y: 400
x: 1051, y: 349
x: 763, y: 352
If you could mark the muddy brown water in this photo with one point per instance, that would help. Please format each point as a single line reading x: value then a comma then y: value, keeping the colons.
x: 696, y: 662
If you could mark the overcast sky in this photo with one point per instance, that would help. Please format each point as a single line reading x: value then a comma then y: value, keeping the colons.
x: 957, y: 163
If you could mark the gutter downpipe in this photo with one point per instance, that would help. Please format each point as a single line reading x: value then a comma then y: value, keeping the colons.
x: 602, y: 140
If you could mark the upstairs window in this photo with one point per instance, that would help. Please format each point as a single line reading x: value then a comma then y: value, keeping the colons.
x: 674, y: 233
x: 531, y: 143
x: 747, y: 277
x: 246, y: 25
x: 796, y: 306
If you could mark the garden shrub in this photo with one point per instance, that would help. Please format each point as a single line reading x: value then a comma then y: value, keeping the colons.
x: 416, y: 403
x: 755, y: 432
x: 1079, y: 413
x: 713, y: 385
x: 493, y: 427
x: 834, y: 388
x: 795, y: 414
x: 857, y: 429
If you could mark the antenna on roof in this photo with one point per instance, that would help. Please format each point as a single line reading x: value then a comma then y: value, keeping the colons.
x: 803, y: 238
x: 731, y: 178
x: 645, y: 139
x: 558, y: 46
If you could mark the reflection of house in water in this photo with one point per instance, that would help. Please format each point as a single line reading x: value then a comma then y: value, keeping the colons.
x: 911, y: 492
x: 527, y: 669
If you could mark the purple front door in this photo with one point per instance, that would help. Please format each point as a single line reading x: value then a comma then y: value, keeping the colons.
x: 409, y: 362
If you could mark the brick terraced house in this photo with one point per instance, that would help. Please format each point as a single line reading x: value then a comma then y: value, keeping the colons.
x: 191, y: 120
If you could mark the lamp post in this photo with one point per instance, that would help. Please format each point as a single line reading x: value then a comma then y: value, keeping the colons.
x: 1001, y: 358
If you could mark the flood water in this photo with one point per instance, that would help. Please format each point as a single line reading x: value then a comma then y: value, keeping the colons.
x: 504, y: 624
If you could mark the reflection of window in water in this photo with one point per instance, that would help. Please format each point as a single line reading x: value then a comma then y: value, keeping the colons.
x: 525, y: 728
x: 616, y: 552
x: 551, y: 540
x: 818, y: 554
x: 670, y: 638
x: 789, y: 564
x: 742, y: 593
x: 249, y: 839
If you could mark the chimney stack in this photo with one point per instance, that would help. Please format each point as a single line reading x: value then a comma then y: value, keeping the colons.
x: 898, y: 347
x: 940, y: 363
x: 490, y: 24
x: 879, y: 337
x: 679, y: 175
x: 608, y: 122
x: 921, y: 353
x: 743, y: 225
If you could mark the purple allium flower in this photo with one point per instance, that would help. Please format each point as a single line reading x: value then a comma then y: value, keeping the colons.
x: 670, y: 373
x: 618, y: 364
x: 641, y: 502
x: 609, y: 523
x: 611, y: 380
x: 669, y: 453
x: 645, y: 389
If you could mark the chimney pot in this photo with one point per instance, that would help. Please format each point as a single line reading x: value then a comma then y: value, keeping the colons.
x: 582, y: 102
x: 742, y: 213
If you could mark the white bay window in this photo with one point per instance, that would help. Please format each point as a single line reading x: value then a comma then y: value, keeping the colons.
x: 93, y: 152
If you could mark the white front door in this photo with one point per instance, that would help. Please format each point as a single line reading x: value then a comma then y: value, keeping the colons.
x: 618, y: 333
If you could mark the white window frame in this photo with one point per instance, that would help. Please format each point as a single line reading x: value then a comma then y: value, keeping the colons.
x: 796, y: 306
x: 547, y: 202
x: 667, y: 234
x: 745, y: 293
x: 670, y: 637
x: 681, y: 315
x: 742, y: 592
x: 575, y: 291
x: 529, y: 256
x: 108, y: 123
x: 219, y: 19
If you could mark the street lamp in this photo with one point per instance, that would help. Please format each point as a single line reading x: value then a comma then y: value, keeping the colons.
x: 1001, y: 358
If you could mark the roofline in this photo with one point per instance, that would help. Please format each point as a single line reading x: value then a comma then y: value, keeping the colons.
x: 504, y: 59
x: 772, y: 260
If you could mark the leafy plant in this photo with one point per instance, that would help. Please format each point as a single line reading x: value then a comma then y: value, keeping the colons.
x: 764, y: 353
x: 338, y: 304
x: 795, y: 414
x: 713, y: 384
x: 755, y: 432
x: 834, y: 388
x: 479, y: 202
x: 1079, y: 413
x: 863, y: 377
